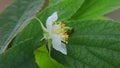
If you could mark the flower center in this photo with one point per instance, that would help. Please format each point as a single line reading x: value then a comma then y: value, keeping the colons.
x: 60, y: 30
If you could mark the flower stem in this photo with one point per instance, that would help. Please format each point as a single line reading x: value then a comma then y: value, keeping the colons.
x: 49, y: 46
x: 44, y: 29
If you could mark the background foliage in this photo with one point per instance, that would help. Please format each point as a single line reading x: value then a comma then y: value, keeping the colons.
x: 93, y: 44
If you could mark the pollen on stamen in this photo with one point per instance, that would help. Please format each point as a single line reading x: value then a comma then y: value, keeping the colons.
x: 61, y: 24
x: 65, y: 37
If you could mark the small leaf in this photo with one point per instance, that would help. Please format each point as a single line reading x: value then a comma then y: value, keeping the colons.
x: 94, y: 44
x: 44, y: 60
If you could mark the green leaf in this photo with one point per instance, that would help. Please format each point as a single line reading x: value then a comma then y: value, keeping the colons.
x: 44, y: 60
x: 94, y: 44
x: 63, y: 9
x: 20, y: 55
x: 15, y: 18
x: 95, y: 8
x: 52, y: 2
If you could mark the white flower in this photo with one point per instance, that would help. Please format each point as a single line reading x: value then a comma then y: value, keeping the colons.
x: 57, y: 33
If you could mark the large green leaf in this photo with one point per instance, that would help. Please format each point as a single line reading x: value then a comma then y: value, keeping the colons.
x: 20, y: 55
x: 95, y: 8
x: 15, y: 18
x: 63, y: 9
x: 94, y: 44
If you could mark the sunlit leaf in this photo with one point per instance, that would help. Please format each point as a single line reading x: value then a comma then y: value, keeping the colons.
x: 44, y: 60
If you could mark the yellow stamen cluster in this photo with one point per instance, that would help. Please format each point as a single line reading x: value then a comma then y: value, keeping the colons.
x: 65, y: 37
x: 61, y: 31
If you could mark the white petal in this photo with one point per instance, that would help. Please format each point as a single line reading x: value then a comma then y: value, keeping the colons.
x: 53, y: 17
x: 58, y: 45
x: 50, y: 20
x: 64, y: 48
